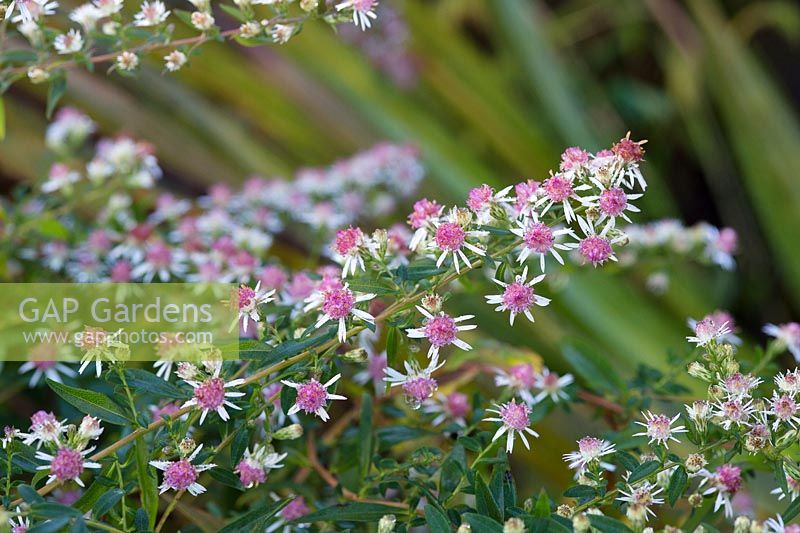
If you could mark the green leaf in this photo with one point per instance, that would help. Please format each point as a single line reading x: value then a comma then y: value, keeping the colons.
x: 375, y: 286
x: 90, y: 403
x: 51, y: 526
x: 246, y: 522
x: 141, y: 521
x: 677, y: 484
x: 780, y: 476
x: 365, y: 436
x: 542, y: 507
x: 392, y: 343
x: 240, y: 443
x: 235, y: 13
x: 422, y: 269
x: 226, y: 477
x: 29, y: 494
x: 485, y: 501
x: 106, y: 502
x: 2, y: 119
x: 144, y: 381
x: 437, y: 522
x: 496, y: 486
x: 580, y: 492
x: 288, y: 348
x: 607, y: 524
x: 54, y: 93
x: 592, y: 367
x: 644, y: 470
x: 792, y: 511
x: 53, y: 510
x: 481, y: 523
x: 627, y: 461
x: 148, y: 482
x: 452, y: 470
x: 349, y: 512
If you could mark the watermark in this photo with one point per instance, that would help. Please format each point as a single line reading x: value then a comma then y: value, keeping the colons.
x: 48, y: 322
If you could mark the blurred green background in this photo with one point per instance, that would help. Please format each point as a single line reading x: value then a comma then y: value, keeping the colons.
x: 492, y: 91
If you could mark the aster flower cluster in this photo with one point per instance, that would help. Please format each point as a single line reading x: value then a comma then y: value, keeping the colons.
x: 224, y: 236
x: 103, y: 31
x: 368, y: 357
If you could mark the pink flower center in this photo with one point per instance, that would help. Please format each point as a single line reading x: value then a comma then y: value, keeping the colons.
x: 734, y: 411
x: 613, y: 201
x: 41, y: 418
x: 595, y: 249
x: 441, y: 330
x: 558, y: 188
x: 522, y: 375
x: 246, y: 297
x: 338, y: 303
x: 67, y: 464
x: 479, y: 197
x: 628, y: 150
x: 450, y: 236
x: 347, y: 241
x: 250, y: 474
x: 539, y: 238
x: 210, y: 394
x: 659, y: 427
x: 518, y: 298
x: 574, y: 157
x: 706, y: 328
x: 44, y: 365
x: 419, y: 389
x: 457, y: 404
x: 159, y: 255
x: 295, y: 509
x: 311, y: 396
x: 515, y: 415
x: 590, y: 446
x: 121, y: 272
x: 376, y: 367
x: 180, y: 475
x: 423, y: 210
x: 784, y: 407
x: 729, y: 478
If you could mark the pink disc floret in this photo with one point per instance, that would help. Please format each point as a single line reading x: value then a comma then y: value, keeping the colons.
x: 595, y: 249
x: 558, y: 188
x: 296, y: 508
x: 250, y: 474
x: 518, y: 298
x: 337, y: 303
x: 67, y: 464
x: 457, y: 404
x: 515, y: 415
x: 479, y: 197
x: 311, y: 396
x: 523, y: 375
x: 539, y: 238
x: 729, y: 477
x: 348, y: 241
x: 441, y: 330
x: 450, y: 236
x: 613, y: 201
x: 180, y: 475
x: 419, y: 389
x: 210, y: 394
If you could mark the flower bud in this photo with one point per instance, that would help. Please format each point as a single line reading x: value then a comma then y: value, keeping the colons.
x: 637, y: 514
x: 432, y: 303
x: 309, y: 5
x: 592, y: 214
x: 498, y: 212
x: 695, y: 462
x: 715, y: 392
x: 250, y: 29
x: 38, y: 75
x: 695, y: 500
x: 202, y: 20
x: 464, y: 528
x: 580, y: 523
x: 186, y: 446
x: 741, y: 525
x: 291, y: 432
x: 358, y: 355
x: 463, y: 217
x: 514, y: 525
x: 730, y: 366
x: 110, y: 28
x: 386, y: 523
x: 167, y: 450
x: 564, y: 510
x: 698, y: 370
x: 527, y: 505
x: 89, y: 429
x: 381, y: 239
x: 187, y: 371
